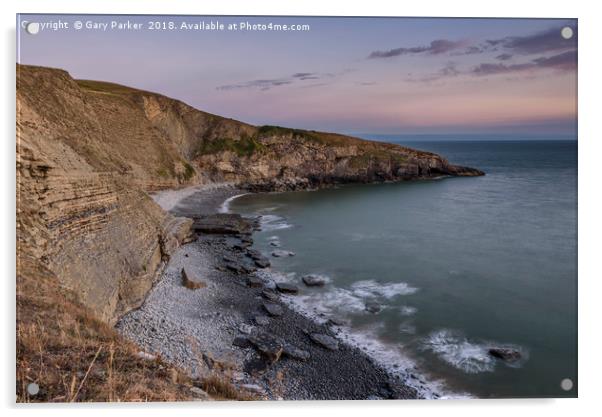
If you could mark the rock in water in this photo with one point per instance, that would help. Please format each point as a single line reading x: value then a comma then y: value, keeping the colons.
x: 373, y: 307
x: 312, y: 280
x: 263, y: 263
x: 267, y: 345
x: 191, y: 280
x: 287, y: 288
x: 505, y: 354
x: 279, y: 253
x: 325, y: 341
x: 273, y: 309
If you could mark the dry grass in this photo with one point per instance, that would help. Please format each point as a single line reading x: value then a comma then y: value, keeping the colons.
x: 73, y: 356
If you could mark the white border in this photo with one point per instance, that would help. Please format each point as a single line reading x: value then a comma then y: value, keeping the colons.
x: 590, y: 33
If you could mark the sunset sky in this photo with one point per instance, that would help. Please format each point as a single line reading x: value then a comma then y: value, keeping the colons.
x: 350, y: 75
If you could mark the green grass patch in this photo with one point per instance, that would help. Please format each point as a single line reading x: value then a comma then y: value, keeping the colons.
x: 245, y: 146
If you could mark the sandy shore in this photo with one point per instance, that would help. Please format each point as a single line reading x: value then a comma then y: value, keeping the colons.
x: 223, y: 323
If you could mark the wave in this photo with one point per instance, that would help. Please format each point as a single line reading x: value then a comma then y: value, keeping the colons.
x: 469, y: 356
x: 372, y: 289
x: 225, y: 207
x: 271, y: 222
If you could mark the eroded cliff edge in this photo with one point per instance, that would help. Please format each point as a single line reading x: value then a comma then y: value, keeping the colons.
x: 88, y: 152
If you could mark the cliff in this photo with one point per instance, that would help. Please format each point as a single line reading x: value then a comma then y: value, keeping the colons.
x: 88, y: 153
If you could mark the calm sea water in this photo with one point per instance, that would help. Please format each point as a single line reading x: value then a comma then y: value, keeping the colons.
x: 456, y: 265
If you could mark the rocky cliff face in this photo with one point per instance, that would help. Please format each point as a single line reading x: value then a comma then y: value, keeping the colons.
x: 88, y: 152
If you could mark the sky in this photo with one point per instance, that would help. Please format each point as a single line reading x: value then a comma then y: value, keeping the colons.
x: 348, y: 75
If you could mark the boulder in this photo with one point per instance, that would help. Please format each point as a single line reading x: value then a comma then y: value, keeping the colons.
x: 270, y: 295
x: 505, y: 354
x: 254, y: 282
x: 261, y: 320
x: 312, y: 280
x: 191, y: 280
x: 373, y: 307
x: 324, y: 340
x: 241, y: 342
x: 279, y: 253
x: 273, y: 309
x: 200, y: 393
x: 287, y: 288
x: 269, y: 346
x: 294, y: 352
x: 263, y: 263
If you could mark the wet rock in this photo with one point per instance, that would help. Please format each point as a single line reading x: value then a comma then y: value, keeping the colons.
x: 279, y: 253
x: 270, y: 295
x: 192, y: 280
x: 263, y: 263
x: 254, y: 282
x: 261, y: 320
x: 273, y: 309
x: 334, y: 321
x: 505, y: 354
x: 294, y: 352
x: 373, y: 307
x: 254, y: 254
x: 275, y: 243
x: 312, y: 280
x: 285, y: 287
x: 324, y: 340
x: 270, y: 347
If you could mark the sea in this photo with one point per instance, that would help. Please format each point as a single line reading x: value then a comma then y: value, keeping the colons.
x: 427, y: 276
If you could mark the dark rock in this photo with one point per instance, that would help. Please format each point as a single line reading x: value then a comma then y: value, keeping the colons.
x: 295, y: 353
x: 275, y: 243
x: 254, y: 282
x: 256, y: 366
x: 263, y: 263
x: 270, y: 295
x: 333, y: 321
x: 254, y: 254
x: 312, y: 280
x: 287, y: 288
x: 261, y: 320
x: 248, y: 269
x: 273, y: 309
x: 222, y: 223
x: 269, y: 346
x: 373, y: 307
x: 505, y: 354
x: 228, y: 258
x: 241, y: 342
x: 324, y: 340
x: 279, y: 253
x: 234, y: 267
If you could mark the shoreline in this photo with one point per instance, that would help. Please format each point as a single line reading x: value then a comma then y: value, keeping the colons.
x: 199, y: 330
